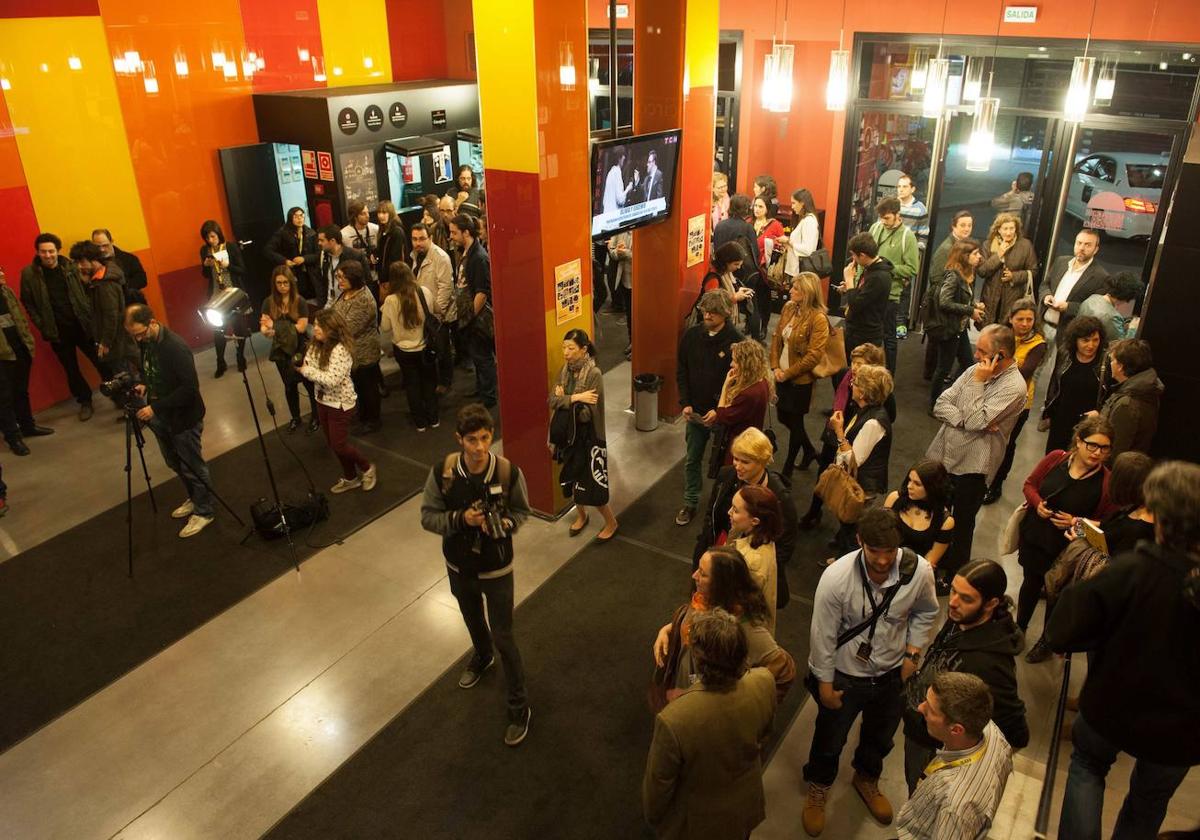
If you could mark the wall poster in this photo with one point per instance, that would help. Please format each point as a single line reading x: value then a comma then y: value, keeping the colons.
x: 695, y: 240
x: 359, y: 182
x: 568, y: 290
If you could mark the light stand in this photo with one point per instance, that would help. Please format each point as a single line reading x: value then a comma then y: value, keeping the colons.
x: 231, y: 307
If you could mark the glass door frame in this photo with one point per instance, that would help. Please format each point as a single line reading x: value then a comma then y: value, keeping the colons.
x: 1062, y: 141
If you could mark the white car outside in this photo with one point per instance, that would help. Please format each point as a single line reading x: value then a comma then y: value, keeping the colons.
x: 1117, y: 192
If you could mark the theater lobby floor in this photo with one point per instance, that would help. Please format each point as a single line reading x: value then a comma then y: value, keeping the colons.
x: 267, y: 717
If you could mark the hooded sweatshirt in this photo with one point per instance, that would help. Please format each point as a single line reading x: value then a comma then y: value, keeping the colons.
x: 987, y: 651
x: 1132, y: 408
x: 866, y: 301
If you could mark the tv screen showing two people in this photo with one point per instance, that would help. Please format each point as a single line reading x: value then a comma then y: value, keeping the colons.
x: 633, y: 182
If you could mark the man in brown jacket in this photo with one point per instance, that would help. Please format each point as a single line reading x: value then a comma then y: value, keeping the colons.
x: 703, y: 775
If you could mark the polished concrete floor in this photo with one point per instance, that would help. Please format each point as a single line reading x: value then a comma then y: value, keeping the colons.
x: 225, y: 731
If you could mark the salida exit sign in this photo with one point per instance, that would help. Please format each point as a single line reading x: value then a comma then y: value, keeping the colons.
x: 1020, y: 14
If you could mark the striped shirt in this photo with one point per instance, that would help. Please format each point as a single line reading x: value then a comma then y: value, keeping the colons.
x: 958, y: 802
x: 977, y: 419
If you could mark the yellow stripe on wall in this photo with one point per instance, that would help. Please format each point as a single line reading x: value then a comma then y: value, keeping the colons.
x: 504, y: 52
x: 67, y: 120
x: 354, y: 37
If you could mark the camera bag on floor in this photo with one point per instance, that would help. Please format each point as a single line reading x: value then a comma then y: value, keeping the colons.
x: 269, y: 524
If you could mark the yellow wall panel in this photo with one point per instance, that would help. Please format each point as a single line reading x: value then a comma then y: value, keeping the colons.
x: 701, y: 43
x: 67, y: 120
x: 504, y: 52
x: 354, y: 37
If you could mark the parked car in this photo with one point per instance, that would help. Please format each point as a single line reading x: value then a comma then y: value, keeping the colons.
x: 1117, y: 192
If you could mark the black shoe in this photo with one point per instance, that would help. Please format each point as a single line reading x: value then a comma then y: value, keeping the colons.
x: 810, y: 455
x: 241, y: 365
x: 517, y: 729
x: 86, y: 411
x: 36, y: 431
x: 314, y: 424
x: 221, y: 368
x: 1040, y: 652
x: 384, y: 391
x: 18, y: 447
x: 474, y: 672
x: 685, y: 515
x: 992, y: 495
x: 809, y: 522
x: 293, y: 425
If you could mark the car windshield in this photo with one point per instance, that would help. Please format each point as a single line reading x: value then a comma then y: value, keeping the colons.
x: 1145, y: 175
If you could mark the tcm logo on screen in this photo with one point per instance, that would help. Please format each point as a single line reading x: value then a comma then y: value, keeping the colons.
x: 1020, y: 14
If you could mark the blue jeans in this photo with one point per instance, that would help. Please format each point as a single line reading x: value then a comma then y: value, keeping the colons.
x: 1150, y: 789
x: 182, y: 453
x: 483, y: 356
x: 881, y: 703
x: 696, y: 437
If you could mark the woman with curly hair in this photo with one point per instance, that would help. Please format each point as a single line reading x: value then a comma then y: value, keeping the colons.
x: 1075, y: 384
x: 748, y: 389
x: 1008, y: 267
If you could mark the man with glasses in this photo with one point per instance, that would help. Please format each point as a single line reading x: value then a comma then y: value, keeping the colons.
x: 174, y: 411
x: 978, y: 413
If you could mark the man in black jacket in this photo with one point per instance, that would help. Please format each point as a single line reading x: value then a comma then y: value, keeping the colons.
x: 134, y: 275
x: 866, y: 284
x: 703, y: 362
x: 738, y: 228
x: 333, y: 253
x: 459, y: 493
x: 174, y: 411
x: 1140, y: 620
x: 473, y: 291
x: 979, y: 638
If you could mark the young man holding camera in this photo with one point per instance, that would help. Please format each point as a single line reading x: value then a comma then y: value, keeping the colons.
x: 476, y: 501
x: 174, y: 411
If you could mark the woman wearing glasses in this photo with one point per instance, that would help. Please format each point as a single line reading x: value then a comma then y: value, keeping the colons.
x: 1065, y: 486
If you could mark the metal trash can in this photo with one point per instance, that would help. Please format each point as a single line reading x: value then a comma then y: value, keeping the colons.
x: 645, y: 401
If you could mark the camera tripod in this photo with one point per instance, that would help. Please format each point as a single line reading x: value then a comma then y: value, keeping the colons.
x: 133, y: 432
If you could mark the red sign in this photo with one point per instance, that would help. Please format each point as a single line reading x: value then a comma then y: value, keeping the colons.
x: 318, y: 189
x: 309, y: 157
x: 325, y: 165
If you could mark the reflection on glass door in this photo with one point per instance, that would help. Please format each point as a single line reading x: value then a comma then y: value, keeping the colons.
x: 889, y: 144
x: 1115, y: 187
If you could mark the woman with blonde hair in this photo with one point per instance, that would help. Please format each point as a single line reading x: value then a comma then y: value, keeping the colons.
x: 796, y: 349
x: 1008, y: 267
x: 747, y: 391
x: 284, y: 320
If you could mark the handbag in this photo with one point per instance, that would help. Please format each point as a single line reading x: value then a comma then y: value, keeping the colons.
x: 776, y: 279
x: 840, y: 491
x: 1010, y: 537
x: 818, y: 262
x: 431, y: 329
x: 834, y: 359
x: 664, y: 675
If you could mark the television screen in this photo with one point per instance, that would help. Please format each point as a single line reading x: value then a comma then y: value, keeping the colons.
x: 633, y: 179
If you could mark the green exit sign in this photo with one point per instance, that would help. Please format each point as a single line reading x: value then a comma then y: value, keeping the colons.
x: 1020, y: 14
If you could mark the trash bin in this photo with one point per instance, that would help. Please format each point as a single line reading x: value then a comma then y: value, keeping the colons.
x: 645, y: 401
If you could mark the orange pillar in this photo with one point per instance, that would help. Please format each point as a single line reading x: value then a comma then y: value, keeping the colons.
x: 675, y: 52
x: 535, y: 160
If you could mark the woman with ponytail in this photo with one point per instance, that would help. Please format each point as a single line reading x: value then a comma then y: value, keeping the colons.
x: 979, y: 637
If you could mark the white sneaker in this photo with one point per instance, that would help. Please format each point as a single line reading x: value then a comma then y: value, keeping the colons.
x: 184, y: 510
x: 344, y: 484
x: 195, y: 525
x: 369, y: 478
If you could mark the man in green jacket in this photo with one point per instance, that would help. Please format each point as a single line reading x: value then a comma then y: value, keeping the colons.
x: 16, y: 360
x: 897, y: 244
x: 58, y: 306
x: 105, y: 286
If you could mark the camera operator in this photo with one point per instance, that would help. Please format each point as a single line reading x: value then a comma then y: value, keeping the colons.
x: 476, y: 501
x: 174, y: 411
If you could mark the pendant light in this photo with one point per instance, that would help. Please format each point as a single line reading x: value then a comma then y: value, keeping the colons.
x: 987, y: 108
x: 777, y: 71
x: 973, y: 79
x: 566, y: 66
x: 1079, y: 91
x: 937, y: 76
x: 920, y: 69
x: 837, y: 89
x: 1106, y: 82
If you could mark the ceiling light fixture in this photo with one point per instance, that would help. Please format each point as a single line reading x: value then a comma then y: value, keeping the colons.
x: 1079, y: 91
x: 837, y: 88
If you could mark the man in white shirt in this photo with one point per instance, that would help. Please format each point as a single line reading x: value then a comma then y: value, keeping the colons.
x: 362, y: 234
x: 615, y: 190
x: 1069, y: 283
x: 961, y: 788
x: 432, y: 267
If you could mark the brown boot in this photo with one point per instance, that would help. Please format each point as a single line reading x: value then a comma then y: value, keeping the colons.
x: 875, y: 801
x: 813, y: 815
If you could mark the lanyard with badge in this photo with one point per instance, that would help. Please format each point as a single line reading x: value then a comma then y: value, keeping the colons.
x: 863, y: 654
x: 938, y: 764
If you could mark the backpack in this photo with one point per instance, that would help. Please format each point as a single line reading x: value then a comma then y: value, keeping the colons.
x: 932, y: 313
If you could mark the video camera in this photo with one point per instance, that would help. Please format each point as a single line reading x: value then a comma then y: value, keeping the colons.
x: 120, y: 388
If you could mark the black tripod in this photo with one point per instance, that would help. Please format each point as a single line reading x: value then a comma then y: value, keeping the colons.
x: 283, y: 520
x: 133, y: 432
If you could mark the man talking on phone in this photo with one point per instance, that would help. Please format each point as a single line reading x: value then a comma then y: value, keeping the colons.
x: 978, y: 413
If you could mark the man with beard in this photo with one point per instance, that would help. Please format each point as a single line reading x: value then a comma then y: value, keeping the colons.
x: 979, y: 638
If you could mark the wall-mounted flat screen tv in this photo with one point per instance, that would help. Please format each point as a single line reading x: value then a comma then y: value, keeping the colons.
x: 633, y: 181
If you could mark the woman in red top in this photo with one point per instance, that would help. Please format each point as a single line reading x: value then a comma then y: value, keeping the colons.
x: 1064, y: 487
x: 748, y: 389
x: 767, y: 227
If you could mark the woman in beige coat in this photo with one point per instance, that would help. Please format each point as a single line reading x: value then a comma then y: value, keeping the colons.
x: 796, y: 349
x: 1007, y: 270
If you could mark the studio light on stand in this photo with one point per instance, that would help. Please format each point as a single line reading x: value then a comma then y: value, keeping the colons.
x: 230, y: 309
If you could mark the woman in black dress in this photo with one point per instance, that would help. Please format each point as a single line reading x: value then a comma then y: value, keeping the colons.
x: 222, y: 265
x: 922, y: 508
x: 1131, y: 522
x: 1064, y: 487
x: 1075, y: 386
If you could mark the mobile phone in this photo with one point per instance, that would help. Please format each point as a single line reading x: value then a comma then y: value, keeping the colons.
x: 996, y: 358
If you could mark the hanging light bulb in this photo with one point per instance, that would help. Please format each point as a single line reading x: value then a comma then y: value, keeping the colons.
x: 938, y: 74
x: 181, y: 64
x: 777, y: 79
x: 318, y: 65
x: 920, y: 70
x: 218, y: 58
x: 837, y: 89
x: 593, y: 75
x: 133, y: 61
x: 566, y: 66
x: 74, y: 62
x: 302, y: 55
x: 119, y: 65
x: 983, y: 134
x: 1106, y: 82
x: 973, y: 79
x: 1079, y: 92
x: 149, y: 78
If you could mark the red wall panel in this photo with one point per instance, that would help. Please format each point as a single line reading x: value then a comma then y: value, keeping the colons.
x: 410, y: 24
x: 48, y: 8
x: 281, y: 32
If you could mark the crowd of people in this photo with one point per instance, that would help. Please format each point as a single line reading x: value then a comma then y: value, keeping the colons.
x: 1096, y: 542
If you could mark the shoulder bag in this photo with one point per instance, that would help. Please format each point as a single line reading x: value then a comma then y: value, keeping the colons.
x: 818, y: 262
x: 835, y: 351
x: 1010, y: 537
x: 431, y: 331
x: 841, y: 492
